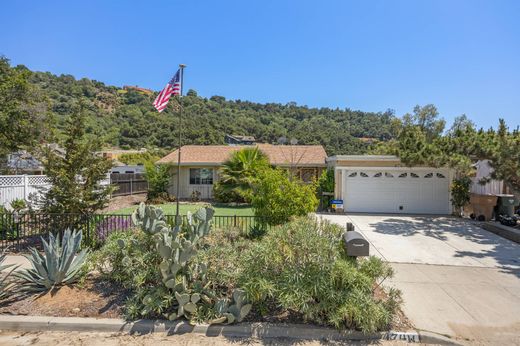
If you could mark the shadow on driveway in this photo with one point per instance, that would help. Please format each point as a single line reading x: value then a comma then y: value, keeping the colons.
x: 505, y: 252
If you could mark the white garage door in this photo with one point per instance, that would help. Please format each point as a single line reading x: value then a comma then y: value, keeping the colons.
x: 387, y: 191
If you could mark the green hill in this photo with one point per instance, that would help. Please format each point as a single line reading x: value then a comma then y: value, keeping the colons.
x: 126, y: 118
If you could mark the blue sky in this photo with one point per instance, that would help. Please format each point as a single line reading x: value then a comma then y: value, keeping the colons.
x: 462, y: 56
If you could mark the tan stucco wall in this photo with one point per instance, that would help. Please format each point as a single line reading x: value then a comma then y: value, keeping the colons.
x: 186, y: 188
x: 206, y: 191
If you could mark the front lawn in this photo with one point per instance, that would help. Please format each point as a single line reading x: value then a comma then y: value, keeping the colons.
x: 221, y: 209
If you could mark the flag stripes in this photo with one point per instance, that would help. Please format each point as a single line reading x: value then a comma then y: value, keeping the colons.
x: 172, y: 88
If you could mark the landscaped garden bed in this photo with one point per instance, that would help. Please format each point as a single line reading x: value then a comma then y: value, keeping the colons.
x: 297, y: 273
x: 93, y: 297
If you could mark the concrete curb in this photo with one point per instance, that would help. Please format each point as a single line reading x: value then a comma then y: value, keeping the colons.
x: 504, y: 231
x: 256, y: 330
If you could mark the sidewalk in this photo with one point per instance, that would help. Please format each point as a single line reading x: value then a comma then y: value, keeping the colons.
x: 17, y: 260
x: 113, y: 339
x: 469, y: 303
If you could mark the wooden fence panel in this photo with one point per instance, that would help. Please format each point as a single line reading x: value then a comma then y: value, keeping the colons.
x: 128, y: 183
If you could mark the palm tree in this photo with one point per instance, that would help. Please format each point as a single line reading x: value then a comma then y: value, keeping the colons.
x: 239, y: 173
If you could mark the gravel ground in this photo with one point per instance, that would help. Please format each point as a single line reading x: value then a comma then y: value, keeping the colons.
x: 157, y: 339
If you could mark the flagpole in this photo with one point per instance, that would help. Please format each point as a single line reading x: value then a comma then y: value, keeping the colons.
x: 181, y: 67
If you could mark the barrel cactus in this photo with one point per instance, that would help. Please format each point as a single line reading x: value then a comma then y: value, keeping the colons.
x: 59, y: 265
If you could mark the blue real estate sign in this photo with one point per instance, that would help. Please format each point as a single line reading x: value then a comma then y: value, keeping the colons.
x: 337, y: 204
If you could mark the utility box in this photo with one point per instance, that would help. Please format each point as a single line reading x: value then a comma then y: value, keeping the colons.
x: 355, y: 244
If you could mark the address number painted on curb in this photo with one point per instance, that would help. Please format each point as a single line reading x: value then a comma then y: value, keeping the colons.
x: 408, y: 337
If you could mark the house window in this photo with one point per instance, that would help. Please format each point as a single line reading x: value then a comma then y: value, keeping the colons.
x: 201, y: 176
x: 307, y: 175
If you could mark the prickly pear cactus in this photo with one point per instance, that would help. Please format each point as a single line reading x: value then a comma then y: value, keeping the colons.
x: 177, y: 247
x: 240, y: 308
x: 149, y: 219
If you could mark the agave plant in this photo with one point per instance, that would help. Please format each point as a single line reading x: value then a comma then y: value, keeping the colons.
x: 58, y: 266
x: 6, y: 284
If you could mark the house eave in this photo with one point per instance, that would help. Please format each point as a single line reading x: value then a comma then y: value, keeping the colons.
x: 372, y: 158
x: 213, y: 164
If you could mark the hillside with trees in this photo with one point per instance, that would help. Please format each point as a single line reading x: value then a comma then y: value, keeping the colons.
x: 125, y: 117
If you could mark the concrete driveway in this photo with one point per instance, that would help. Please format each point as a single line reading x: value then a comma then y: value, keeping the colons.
x: 457, y: 279
x: 433, y: 240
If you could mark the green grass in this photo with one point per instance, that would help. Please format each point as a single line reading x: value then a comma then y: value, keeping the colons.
x: 220, y: 209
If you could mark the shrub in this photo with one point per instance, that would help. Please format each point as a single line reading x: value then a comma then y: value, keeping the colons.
x: 302, y: 267
x: 112, y: 224
x: 223, y: 255
x: 326, y: 184
x: 158, y: 177
x: 18, y: 204
x: 225, y: 195
x: 278, y: 198
x: 460, y: 192
x: 8, y: 228
x: 140, y: 158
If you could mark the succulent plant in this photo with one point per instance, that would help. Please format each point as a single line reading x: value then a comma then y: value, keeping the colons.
x: 6, y: 285
x: 235, y: 312
x: 178, y: 247
x: 240, y: 308
x: 202, y: 226
x: 60, y: 264
x: 149, y: 219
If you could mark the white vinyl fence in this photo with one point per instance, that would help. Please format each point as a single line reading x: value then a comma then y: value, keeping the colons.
x: 24, y: 186
x: 21, y: 187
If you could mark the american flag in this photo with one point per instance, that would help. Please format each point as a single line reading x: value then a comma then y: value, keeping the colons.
x: 172, y: 88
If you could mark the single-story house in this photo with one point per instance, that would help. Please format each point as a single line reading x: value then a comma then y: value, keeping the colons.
x: 200, y: 164
x: 121, y: 168
x: 23, y: 162
x: 113, y: 154
x: 239, y: 140
x: 383, y: 184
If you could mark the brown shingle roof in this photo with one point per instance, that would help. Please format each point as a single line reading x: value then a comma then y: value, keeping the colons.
x: 282, y: 155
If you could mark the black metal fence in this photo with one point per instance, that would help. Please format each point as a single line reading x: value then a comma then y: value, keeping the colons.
x: 20, y: 231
